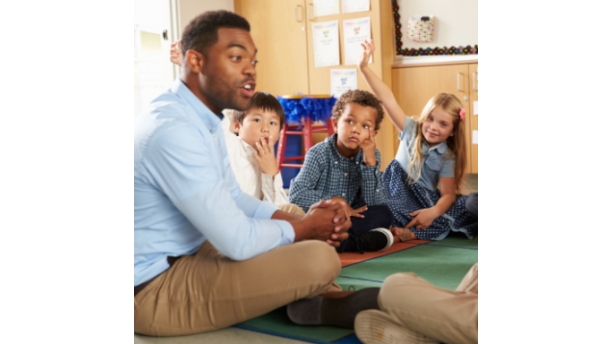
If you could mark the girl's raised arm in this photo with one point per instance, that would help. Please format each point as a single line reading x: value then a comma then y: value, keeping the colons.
x: 396, y: 114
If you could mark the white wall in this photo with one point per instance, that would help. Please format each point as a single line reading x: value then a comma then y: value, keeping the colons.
x: 189, y: 9
x: 456, y: 22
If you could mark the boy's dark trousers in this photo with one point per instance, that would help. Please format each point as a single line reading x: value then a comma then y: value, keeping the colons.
x: 376, y: 216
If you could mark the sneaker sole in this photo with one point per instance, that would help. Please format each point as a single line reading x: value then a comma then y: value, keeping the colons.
x: 388, y: 234
x: 376, y: 327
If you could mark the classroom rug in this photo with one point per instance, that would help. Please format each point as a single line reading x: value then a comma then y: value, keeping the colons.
x: 443, y: 263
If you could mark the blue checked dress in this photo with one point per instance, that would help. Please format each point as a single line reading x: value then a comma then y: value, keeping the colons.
x: 405, y: 198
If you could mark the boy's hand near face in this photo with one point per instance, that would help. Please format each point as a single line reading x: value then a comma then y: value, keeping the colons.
x: 368, y: 147
x: 265, y: 156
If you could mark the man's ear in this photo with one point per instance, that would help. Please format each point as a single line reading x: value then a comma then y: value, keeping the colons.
x: 335, y: 124
x: 374, y: 133
x: 194, y: 60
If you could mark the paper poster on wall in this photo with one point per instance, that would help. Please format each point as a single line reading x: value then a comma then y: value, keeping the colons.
x: 343, y: 80
x: 352, y: 6
x: 326, y: 7
x: 326, y: 44
x: 474, y: 137
x: 355, y: 32
x: 475, y: 107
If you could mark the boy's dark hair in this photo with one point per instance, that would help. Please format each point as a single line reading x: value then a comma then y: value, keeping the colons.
x: 266, y: 102
x: 201, y: 33
x: 363, y: 98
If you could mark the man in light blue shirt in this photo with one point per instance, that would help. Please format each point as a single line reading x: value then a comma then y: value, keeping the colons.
x: 207, y: 255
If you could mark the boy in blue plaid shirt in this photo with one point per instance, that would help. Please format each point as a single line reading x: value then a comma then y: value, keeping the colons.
x: 346, y: 167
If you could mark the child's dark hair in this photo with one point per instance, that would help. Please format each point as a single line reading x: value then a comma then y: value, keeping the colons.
x: 201, y: 32
x: 363, y: 98
x: 266, y: 102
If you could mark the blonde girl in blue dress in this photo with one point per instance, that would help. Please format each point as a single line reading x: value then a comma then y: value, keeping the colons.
x: 423, y: 182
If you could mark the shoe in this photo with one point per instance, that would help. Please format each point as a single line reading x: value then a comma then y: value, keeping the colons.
x: 377, y: 239
x: 333, y: 309
x: 387, y: 233
x: 377, y: 327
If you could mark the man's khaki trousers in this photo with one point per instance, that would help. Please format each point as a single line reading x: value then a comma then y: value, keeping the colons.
x: 444, y: 315
x: 207, y: 291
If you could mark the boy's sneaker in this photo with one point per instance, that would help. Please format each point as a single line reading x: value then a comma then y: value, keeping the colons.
x: 377, y: 239
x: 376, y: 327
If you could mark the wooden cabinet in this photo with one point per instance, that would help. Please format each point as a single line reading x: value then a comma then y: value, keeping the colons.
x: 282, y: 31
x: 413, y: 86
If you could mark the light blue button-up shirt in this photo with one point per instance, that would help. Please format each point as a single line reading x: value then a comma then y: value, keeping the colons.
x: 438, y: 161
x: 185, y: 191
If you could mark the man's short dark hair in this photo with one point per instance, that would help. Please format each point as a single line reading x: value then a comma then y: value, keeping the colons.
x: 201, y: 33
x: 363, y: 98
x: 266, y: 102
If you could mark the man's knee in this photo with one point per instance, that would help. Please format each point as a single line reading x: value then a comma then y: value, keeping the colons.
x: 320, y: 260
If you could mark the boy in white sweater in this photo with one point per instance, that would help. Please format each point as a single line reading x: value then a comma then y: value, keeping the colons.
x: 251, y: 150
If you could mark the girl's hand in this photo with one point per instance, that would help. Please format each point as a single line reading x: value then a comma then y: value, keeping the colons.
x: 176, y: 56
x: 368, y: 49
x: 265, y: 156
x: 423, y: 218
x: 357, y: 212
x: 368, y: 147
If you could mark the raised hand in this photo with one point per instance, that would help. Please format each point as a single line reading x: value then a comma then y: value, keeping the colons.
x: 265, y: 156
x: 368, y: 147
x: 368, y: 49
x: 176, y: 56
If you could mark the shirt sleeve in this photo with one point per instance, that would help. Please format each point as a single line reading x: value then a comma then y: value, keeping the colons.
x: 302, y: 191
x: 273, y: 190
x: 185, y: 166
x: 448, y: 167
x: 409, y: 130
x: 371, y: 183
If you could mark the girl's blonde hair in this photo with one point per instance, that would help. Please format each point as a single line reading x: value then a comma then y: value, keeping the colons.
x: 456, y: 143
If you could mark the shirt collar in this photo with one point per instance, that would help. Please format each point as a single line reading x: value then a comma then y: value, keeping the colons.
x: 440, y: 147
x: 331, y: 141
x: 209, y: 118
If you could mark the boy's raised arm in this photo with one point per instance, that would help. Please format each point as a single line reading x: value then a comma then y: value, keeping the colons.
x: 382, y: 91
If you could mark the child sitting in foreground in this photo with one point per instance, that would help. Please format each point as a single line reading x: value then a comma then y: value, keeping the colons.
x: 346, y: 167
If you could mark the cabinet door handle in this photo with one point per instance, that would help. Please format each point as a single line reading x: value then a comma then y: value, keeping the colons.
x: 311, y: 12
x: 474, y: 81
x: 459, y: 89
x: 299, y: 20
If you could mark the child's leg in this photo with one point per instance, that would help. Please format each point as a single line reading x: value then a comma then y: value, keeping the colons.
x: 471, y: 205
x: 361, y: 235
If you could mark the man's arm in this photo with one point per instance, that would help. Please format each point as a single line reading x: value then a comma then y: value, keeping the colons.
x: 185, y: 167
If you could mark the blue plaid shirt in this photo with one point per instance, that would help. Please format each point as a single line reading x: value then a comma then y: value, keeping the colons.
x: 326, y: 173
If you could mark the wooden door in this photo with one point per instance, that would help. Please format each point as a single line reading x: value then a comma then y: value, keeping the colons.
x: 278, y: 28
x: 414, y: 86
x: 473, y: 70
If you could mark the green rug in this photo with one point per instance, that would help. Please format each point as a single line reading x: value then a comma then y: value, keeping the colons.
x: 442, y: 263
